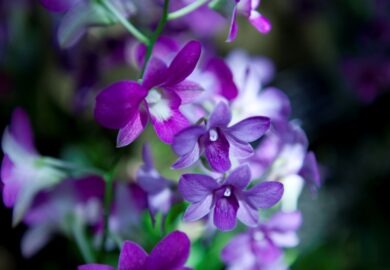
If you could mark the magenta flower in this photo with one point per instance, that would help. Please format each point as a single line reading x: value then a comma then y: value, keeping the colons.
x: 159, y: 195
x: 261, y: 248
x: 227, y: 200
x: 23, y: 170
x: 127, y: 105
x: 246, y: 8
x: 217, y: 140
x: 171, y: 253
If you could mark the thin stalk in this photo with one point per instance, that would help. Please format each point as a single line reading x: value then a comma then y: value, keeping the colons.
x: 185, y: 10
x: 70, y: 166
x: 82, y: 243
x: 128, y: 25
x: 108, y: 192
x: 156, y: 34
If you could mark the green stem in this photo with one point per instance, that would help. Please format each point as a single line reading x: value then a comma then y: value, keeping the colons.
x: 82, y: 243
x: 128, y: 25
x: 155, y: 36
x: 187, y: 9
x: 108, y: 192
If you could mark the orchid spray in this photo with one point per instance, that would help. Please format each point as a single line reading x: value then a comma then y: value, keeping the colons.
x: 217, y: 147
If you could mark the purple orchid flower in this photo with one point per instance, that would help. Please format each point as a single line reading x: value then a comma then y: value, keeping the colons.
x: 127, y: 105
x: 228, y: 200
x: 81, y: 14
x: 261, y: 248
x: 159, y: 194
x: 170, y: 253
x: 246, y: 8
x: 217, y: 140
x: 79, y: 199
x: 23, y: 170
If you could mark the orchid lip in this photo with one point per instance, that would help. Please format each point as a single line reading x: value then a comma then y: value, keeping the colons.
x: 158, y: 105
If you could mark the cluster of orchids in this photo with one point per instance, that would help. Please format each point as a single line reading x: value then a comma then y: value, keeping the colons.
x: 237, y: 149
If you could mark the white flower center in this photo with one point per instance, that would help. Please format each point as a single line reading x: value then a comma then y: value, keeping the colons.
x: 213, y: 135
x: 227, y: 192
x: 258, y: 236
x: 158, y: 106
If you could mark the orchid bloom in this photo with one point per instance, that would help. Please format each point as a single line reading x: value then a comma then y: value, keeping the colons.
x: 159, y: 195
x: 127, y: 105
x: 229, y: 199
x: 217, y: 139
x: 247, y: 8
x: 23, y: 171
x: 171, y: 253
x: 261, y: 247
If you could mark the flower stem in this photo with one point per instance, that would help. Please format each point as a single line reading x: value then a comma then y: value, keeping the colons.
x: 187, y: 9
x: 70, y: 166
x: 128, y: 25
x: 156, y: 34
x: 108, y: 192
x: 82, y: 243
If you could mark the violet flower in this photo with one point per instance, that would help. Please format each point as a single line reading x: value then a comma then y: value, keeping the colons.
x: 228, y: 200
x: 261, y: 248
x: 127, y: 105
x: 81, y: 14
x: 70, y: 205
x: 23, y: 170
x: 246, y: 8
x: 217, y: 140
x: 159, y: 195
x: 170, y: 253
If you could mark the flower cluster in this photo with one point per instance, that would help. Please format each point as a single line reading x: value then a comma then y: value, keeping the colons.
x: 231, y: 134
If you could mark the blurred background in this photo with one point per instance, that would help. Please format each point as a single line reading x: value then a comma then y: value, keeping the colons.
x: 332, y: 59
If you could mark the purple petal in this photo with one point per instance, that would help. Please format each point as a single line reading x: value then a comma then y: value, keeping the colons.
x: 237, y: 248
x: 240, y: 177
x: 184, y: 63
x: 132, y: 257
x: 287, y: 239
x: 94, y: 266
x: 187, y: 90
x: 21, y: 130
x: 155, y: 73
x: 134, y: 127
x: 198, y: 210
x: 275, y: 104
x: 265, y: 194
x: 250, y: 129
x: 217, y: 153
x: 233, y: 27
x: 195, y: 187
x: 224, y: 76
x: 283, y: 222
x: 171, y: 253
x: 220, y: 117
x: 247, y: 214
x: 185, y: 141
x: 225, y: 213
x: 58, y: 5
x: 267, y: 251
x: 239, y: 149
x: 147, y: 156
x: 11, y: 192
x: 187, y: 159
x: 261, y: 23
x: 6, y: 169
x: 117, y: 104
x: 310, y: 171
x: 166, y: 130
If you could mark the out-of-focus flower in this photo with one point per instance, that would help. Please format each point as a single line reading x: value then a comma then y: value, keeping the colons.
x: 23, y: 170
x: 217, y: 140
x: 156, y: 186
x: 282, y: 156
x: 261, y: 248
x: 81, y: 14
x: 170, y: 253
x: 70, y: 205
x: 246, y: 8
x: 127, y: 105
x: 250, y: 76
x: 228, y: 200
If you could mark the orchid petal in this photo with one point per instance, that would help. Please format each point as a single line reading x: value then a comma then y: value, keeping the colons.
x: 132, y: 129
x: 195, y: 187
x: 250, y: 129
x: 132, y: 257
x: 220, y: 117
x: 239, y: 177
x: 265, y: 194
x: 198, y: 210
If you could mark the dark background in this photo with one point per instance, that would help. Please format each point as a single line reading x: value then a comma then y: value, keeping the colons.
x: 332, y: 60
